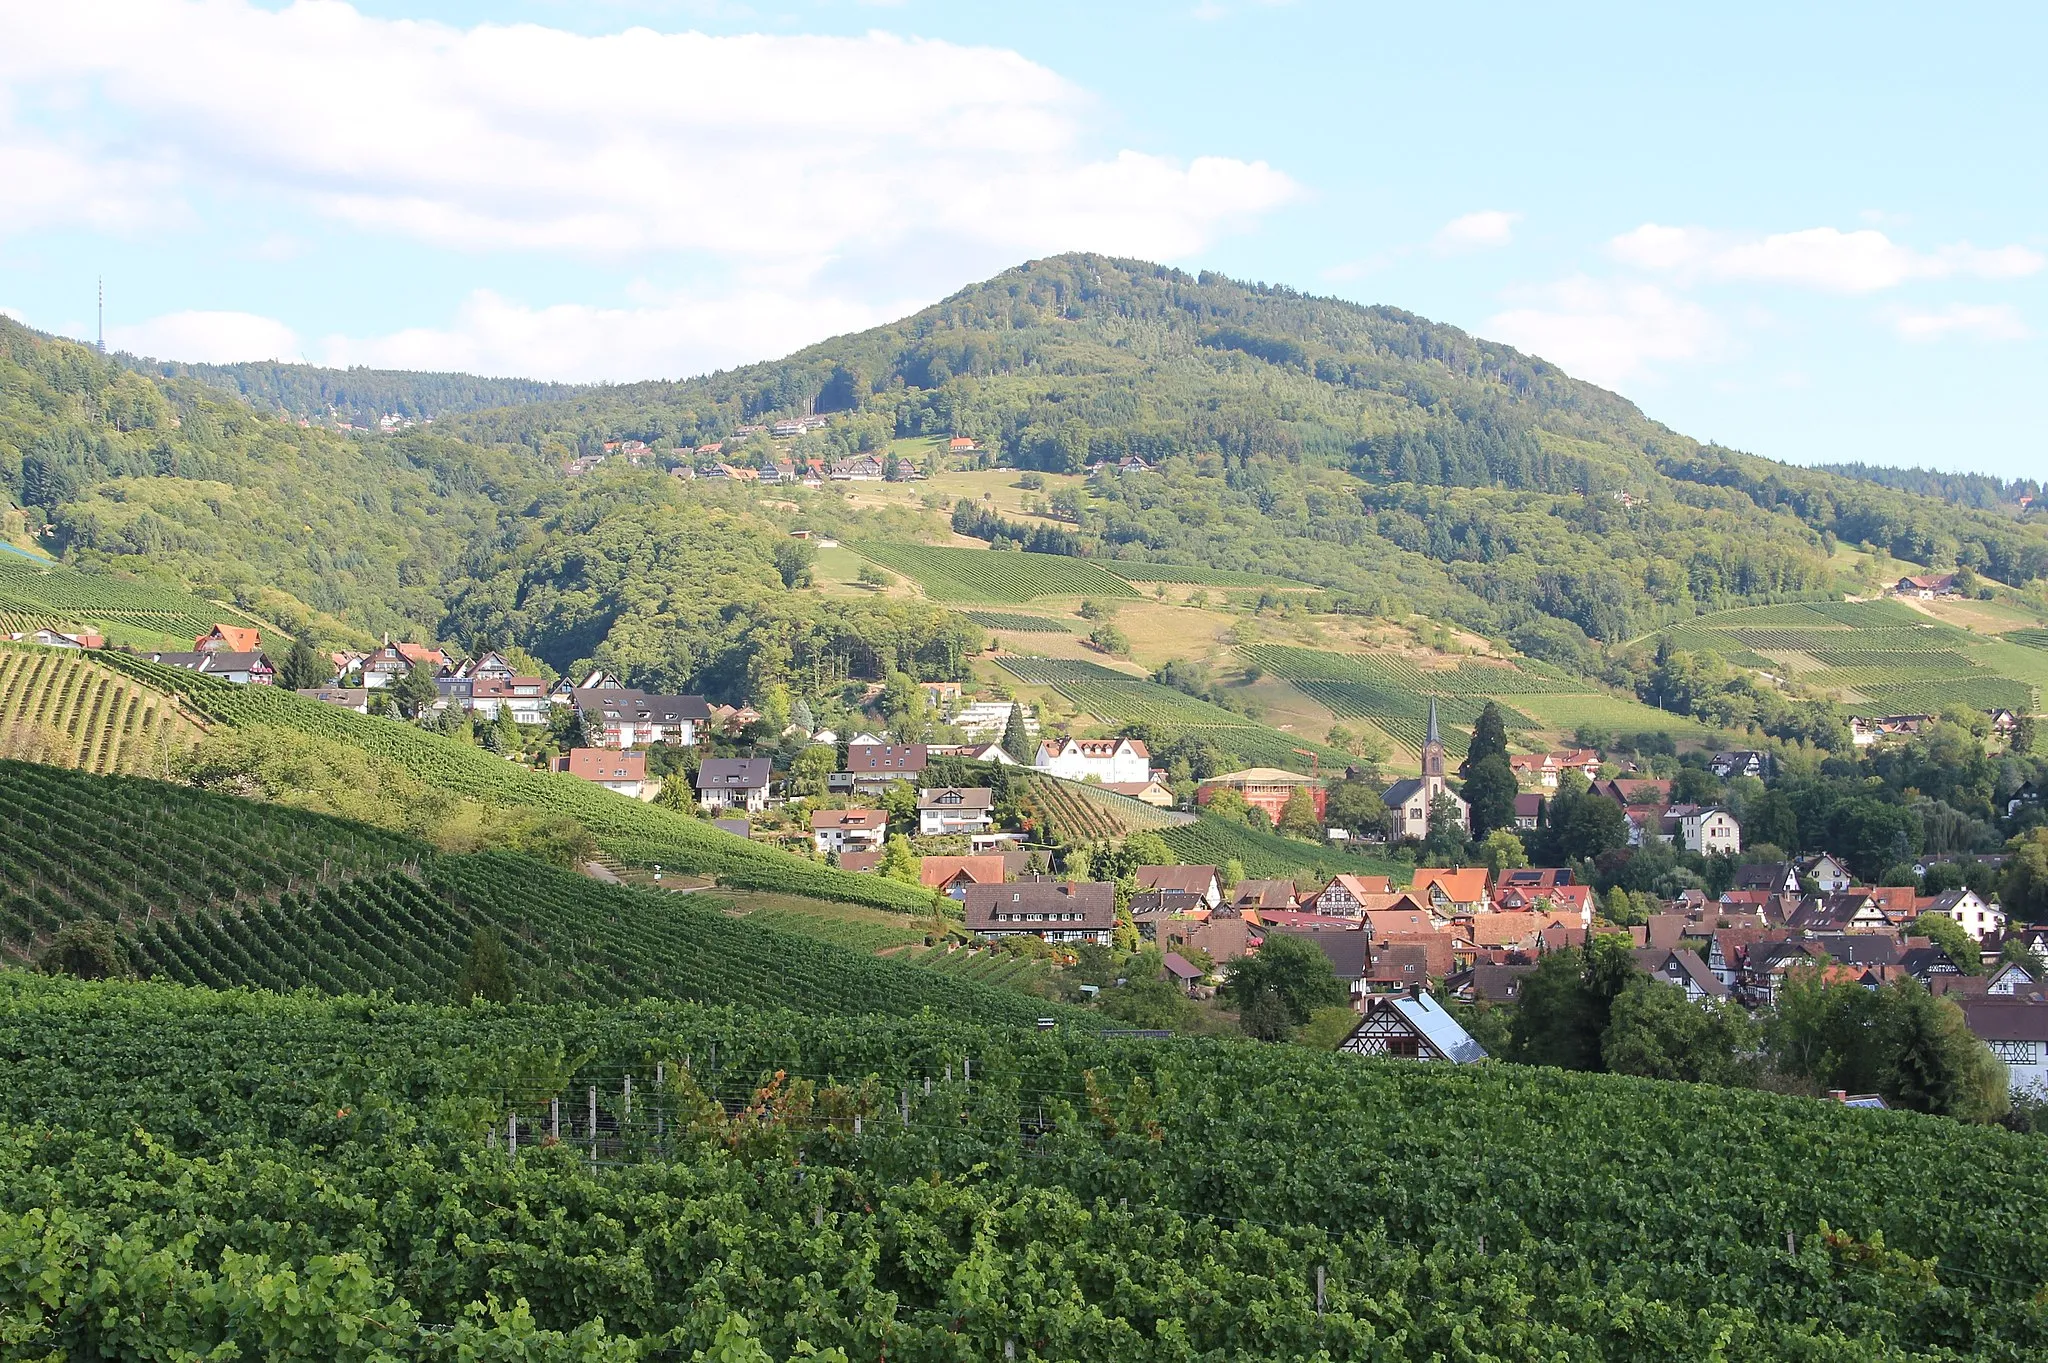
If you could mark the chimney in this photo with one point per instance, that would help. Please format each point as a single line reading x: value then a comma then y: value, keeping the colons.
x: 1838, y: 1095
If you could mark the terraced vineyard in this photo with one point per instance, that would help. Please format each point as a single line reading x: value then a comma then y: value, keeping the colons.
x: 1119, y: 698
x: 143, y: 614
x: 76, y: 712
x: 1074, y: 811
x: 636, y: 833
x: 950, y: 574
x: 1393, y: 692
x: 1017, y: 623
x: 1876, y: 657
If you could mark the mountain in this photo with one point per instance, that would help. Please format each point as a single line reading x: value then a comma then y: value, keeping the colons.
x: 1401, y: 465
x: 1396, y: 460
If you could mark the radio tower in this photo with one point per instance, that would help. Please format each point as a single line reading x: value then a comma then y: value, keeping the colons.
x: 103, y: 314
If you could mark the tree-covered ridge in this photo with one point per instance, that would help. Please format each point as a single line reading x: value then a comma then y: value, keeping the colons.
x: 358, y: 394
x: 1458, y: 476
x: 173, y: 478
x: 1980, y: 490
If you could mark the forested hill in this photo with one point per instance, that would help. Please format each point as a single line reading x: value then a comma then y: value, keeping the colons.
x: 357, y: 396
x: 1400, y: 464
x: 1459, y: 477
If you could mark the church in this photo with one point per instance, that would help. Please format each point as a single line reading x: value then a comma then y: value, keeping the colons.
x: 1408, y: 801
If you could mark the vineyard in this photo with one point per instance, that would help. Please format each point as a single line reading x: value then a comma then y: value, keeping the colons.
x: 333, y: 1178
x: 1876, y: 657
x: 1017, y: 623
x: 81, y: 714
x: 1394, y: 692
x: 1182, y: 575
x: 947, y: 574
x: 1073, y: 811
x: 637, y: 833
x: 210, y: 890
x: 142, y: 614
x: 1211, y: 841
x: 1119, y: 698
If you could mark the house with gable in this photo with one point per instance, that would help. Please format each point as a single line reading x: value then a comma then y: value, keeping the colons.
x: 734, y: 782
x: 1452, y: 892
x: 1348, y: 896
x: 1057, y: 911
x: 1112, y: 761
x: 837, y: 831
x: 946, y: 810
x: 1199, y: 881
x: 1411, y: 1027
x: 1966, y: 907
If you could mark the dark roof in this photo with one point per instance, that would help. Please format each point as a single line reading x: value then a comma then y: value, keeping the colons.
x: 1151, y: 902
x: 1401, y: 792
x: 1191, y: 879
x: 1264, y: 894
x: 625, y: 702
x: 885, y: 757
x: 1857, y: 948
x: 971, y: 797
x: 733, y: 773
x: 1350, y: 953
x: 1920, y: 962
x: 1680, y: 967
x: 1762, y: 875
x: 1005, y: 908
x: 1498, y: 982
x: 1180, y: 967
x: 2002, y: 1018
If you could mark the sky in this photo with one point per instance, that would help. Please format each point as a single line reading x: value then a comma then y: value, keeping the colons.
x: 1816, y: 232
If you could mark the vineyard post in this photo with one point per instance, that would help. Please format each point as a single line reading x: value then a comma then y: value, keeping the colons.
x: 593, y: 1123
x: 1319, y: 1291
x: 967, y: 1071
x: 628, y: 1092
x: 856, y: 1126
x: 512, y: 1136
x: 927, y: 1086
x: 555, y: 1119
x: 660, y: 1082
x: 949, y: 1071
x: 906, y: 1105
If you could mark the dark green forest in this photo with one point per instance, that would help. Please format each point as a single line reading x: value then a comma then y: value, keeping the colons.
x: 358, y: 395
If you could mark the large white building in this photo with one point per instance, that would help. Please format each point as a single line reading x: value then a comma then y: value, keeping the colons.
x: 1109, y: 760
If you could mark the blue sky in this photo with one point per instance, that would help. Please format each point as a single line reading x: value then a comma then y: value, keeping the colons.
x: 1819, y: 234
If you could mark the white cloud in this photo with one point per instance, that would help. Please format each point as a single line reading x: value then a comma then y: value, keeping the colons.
x: 1477, y: 231
x: 208, y: 338
x: 1824, y: 258
x: 753, y: 147
x: 1608, y: 333
x: 668, y: 337
x: 1984, y: 322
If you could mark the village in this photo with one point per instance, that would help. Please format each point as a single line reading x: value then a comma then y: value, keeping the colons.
x: 1413, y: 950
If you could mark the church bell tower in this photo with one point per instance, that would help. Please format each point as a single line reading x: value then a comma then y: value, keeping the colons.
x: 1433, y: 759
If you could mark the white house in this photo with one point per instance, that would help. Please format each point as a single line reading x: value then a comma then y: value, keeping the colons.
x: 849, y: 830
x: 952, y: 809
x: 622, y: 773
x: 1978, y: 918
x: 1708, y: 831
x: 733, y: 782
x: 2016, y: 1030
x: 1109, y: 760
x: 988, y: 719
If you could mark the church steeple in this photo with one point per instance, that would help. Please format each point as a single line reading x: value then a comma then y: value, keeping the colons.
x: 1433, y: 756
